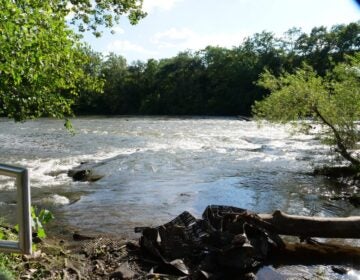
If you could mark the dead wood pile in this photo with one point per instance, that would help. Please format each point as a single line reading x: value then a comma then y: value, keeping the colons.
x: 230, y: 241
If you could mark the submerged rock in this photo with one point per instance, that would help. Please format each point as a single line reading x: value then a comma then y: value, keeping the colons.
x: 339, y: 269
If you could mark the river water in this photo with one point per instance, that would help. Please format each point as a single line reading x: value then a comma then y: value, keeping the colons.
x: 157, y: 167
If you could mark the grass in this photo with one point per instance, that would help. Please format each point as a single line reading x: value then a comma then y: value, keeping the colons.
x: 6, y: 262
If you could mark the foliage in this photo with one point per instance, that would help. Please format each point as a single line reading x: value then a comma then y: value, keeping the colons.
x: 215, y: 80
x: 89, y: 15
x: 333, y: 101
x: 8, y: 262
x: 39, y: 219
x: 5, y: 272
x: 14, y: 264
x: 46, y: 71
x: 42, y: 62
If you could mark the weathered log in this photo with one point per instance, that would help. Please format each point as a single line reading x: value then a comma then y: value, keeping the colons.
x: 303, y: 226
x: 315, y: 253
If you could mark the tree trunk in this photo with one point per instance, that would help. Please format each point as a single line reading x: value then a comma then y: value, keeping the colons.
x: 341, y: 147
x: 314, y: 254
x: 302, y: 226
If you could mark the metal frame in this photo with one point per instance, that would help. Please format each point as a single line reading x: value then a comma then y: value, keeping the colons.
x: 23, y: 210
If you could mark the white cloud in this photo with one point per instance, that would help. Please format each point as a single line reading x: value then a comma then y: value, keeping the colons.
x: 124, y: 46
x: 151, y: 5
x: 173, y: 37
x: 185, y: 38
x: 172, y: 41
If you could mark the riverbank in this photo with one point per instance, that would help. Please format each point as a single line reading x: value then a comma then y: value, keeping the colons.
x: 76, y: 257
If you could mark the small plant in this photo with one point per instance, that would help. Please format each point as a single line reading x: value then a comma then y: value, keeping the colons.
x: 11, y: 265
x: 7, y: 264
x: 39, y: 219
x: 6, y: 274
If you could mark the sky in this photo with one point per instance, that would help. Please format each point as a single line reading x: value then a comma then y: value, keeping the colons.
x: 172, y: 26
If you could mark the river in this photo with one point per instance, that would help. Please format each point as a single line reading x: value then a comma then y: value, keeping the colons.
x: 157, y: 167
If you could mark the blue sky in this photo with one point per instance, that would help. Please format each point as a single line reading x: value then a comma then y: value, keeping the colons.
x: 177, y: 25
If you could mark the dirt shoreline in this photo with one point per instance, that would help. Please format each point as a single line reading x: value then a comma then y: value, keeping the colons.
x: 227, y: 241
x: 83, y: 257
x: 74, y: 256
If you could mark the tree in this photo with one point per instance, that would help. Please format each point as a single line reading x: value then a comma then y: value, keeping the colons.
x: 115, y: 71
x: 333, y: 101
x: 41, y: 58
x: 88, y: 99
x: 88, y: 15
x: 215, y: 80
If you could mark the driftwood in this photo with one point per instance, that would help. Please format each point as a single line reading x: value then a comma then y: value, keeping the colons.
x: 313, y: 226
x: 315, y: 253
x: 233, y: 239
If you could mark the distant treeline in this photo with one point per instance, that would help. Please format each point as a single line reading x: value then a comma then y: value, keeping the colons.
x: 215, y: 80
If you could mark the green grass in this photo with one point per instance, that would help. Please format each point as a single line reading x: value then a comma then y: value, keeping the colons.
x: 6, y: 262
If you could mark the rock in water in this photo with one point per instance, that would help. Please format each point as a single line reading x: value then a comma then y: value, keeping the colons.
x: 85, y: 173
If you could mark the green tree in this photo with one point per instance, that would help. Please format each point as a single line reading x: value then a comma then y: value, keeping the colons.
x: 216, y: 80
x: 333, y: 101
x: 41, y: 59
x: 177, y: 91
x: 88, y: 15
x: 87, y: 101
x: 114, y: 70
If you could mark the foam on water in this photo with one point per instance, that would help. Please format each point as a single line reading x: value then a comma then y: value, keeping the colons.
x: 55, y: 199
x: 353, y: 275
x: 156, y: 145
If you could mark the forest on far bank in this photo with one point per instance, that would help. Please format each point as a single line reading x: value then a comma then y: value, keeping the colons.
x: 212, y: 81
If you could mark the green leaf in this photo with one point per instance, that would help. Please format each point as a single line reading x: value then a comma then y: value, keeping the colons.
x: 41, y: 232
x: 45, y: 216
x: 42, y: 60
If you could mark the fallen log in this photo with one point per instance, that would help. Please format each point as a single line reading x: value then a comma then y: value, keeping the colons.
x: 314, y: 254
x: 302, y: 226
